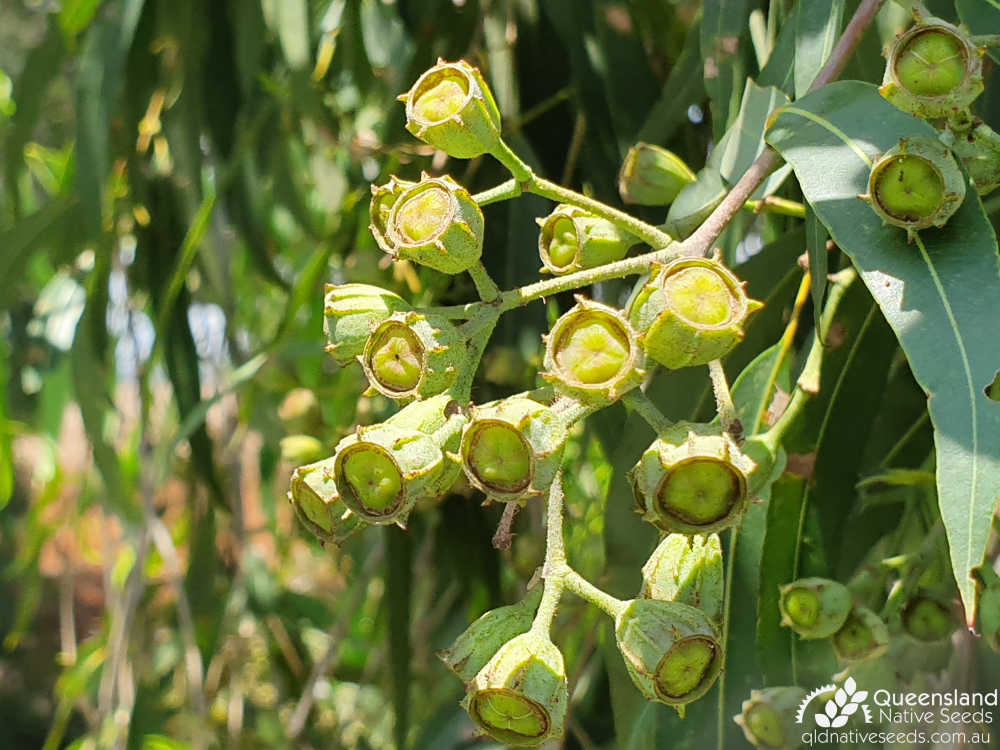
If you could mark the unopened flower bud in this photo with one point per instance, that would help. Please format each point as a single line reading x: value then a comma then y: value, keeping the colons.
x: 672, y: 651
x: 519, y: 698
x: 512, y: 448
x: 572, y: 239
x: 483, y: 638
x: 863, y: 636
x: 695, y: 203
x: 814, y: 607
x: 768, y: 717
x: 300, y: 449
x: 592, y: 353
x: 451, y: 107
x: 652, y: 176
x: 413, y: 355
x: 350, y: 314
x: 686, y: 569
x: 933, y: 71
x: 692, y: 479
x: 690, y: 312
x: 916, y: 185
x: 979, y: 151
x: 928, y: 620
x: 318, y: 505
x: 435, y: 223
x: 383, y: 199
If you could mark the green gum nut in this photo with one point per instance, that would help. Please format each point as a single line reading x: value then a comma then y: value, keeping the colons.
x: 512, y: 448
x: 690, y: 312
x: 592, y: 354
x: 412, y: 355
x: 814, y: 607
x: 979, y: 151
x: 928, y: 620
x: 383, y: 199
x: 933, y: 71
x: 768, y: 717
x: 351, y: 312
x: 519, y: 697
x: 476, y: 646
x: 692, y: 480
x: 451, y: 107
x: 652, y: 176
x: 300, y: 449
x: 437, y: 224
x: 381, y: 471
x: 916, y: 185
x: 686, y: 569
x: 572, y: 239
x: 317, y: 503
x: 671, y: 650
x: 862, y: 637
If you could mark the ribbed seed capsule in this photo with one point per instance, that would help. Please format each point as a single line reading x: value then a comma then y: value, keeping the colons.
x: 652, y: 176
x: 978, y: 149
x: 451, y: 108
x: 686, y: 569
x: 690, y: 312
x: 351, y: 312
x: 520, y: 696
x: 572, y: 239
x: 476, y: 646
x: 928, y: 620
x: 863, y: 636
x: 692, y: 479
x: 933, y: 70
x: 814, y: 607
x: 512, y: 448
x: 413, y: 355
x: 671, y: 650
x: 317, y: 503
x: 383, y: 199
x: 435, y: 223
x: 768, y: 718
x: 592, y: 353
x: 916, y: 185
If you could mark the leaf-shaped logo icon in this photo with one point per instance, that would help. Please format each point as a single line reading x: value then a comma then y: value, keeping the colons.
x: 849, y: 709
x: 841, y: 697
x: 859, y: 697
x: 839, y: 722
x: 822, y: 721
x: 850, y: 686
x: 831, y: 709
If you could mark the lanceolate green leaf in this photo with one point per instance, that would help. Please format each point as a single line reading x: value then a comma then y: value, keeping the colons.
x: 937, y: 293
x: 817, y: 26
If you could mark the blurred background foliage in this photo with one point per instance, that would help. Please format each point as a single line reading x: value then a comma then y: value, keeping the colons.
x: 179, y: 179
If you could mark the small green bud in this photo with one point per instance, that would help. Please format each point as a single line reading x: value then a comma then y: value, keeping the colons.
x: 690, y: 312
x: 435, y: 223
x: 572, y: 239
x: 916, y: 185
x: 652, y: 176
x: 592, y: 353
x: 512, y: 448
x: 933, y: 70
x: 383, y: 199
x: 692, y: 479
x: 350, y: 314
x: 672, y: 651
x: 317, y: 503
x: 928, y: 620
x: 413, y: 355
x: 978, y: 148
x: 768, y: 717
x: 300, y: 449
x: 451, y: 108
x: 519, y: 698
x: 686, y: 569
x: 863, y: 636
x: 483, y: 638
x: 695, y: 203
x: 814, y: 607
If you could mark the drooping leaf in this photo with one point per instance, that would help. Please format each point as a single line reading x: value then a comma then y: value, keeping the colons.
x: 819, y: 262
x: 935, y: 292
x: 723, y: 24
x: 817, y: 26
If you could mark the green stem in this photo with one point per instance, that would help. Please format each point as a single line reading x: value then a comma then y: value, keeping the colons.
x: 583, y: 588
x: 515, y: 165
x: 724, y: 399
x: 774, y: 205
x: 555, y: 559
x: 485, y: 286
x: 504, y: 191
x: 643, y: 405
x: 734, y: 536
